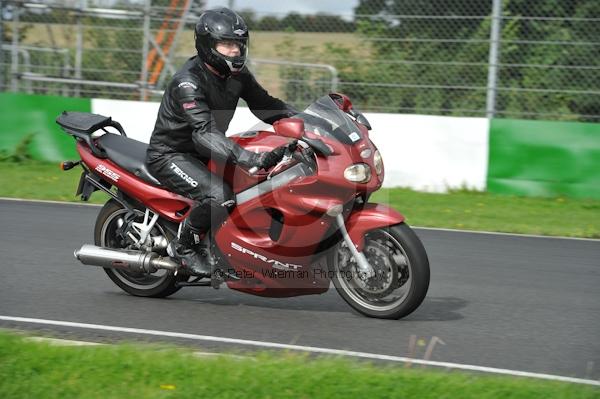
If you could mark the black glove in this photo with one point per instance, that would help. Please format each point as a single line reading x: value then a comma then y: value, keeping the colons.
x: 267, y: 160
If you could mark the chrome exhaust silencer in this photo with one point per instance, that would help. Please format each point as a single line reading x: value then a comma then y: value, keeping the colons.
x: 124, y: 259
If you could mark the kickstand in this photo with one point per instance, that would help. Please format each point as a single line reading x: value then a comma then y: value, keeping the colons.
x: 219, y: 276
x: 193, y: 283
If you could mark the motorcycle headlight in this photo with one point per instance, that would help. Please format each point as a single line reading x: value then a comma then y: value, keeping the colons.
x: 358, y: 173
x: 378, y: 162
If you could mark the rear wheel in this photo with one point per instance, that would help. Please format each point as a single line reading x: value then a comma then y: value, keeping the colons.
x: 401, y: 275
x: 108, y: 232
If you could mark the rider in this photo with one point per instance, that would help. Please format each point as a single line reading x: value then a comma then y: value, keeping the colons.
x: 195, y: 111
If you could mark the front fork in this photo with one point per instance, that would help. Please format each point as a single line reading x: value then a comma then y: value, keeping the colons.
x: 365, y: 269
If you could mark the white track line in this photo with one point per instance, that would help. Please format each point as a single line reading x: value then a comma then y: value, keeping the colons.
x: 416, y: 227
x: 311, y: 349
x: 49, y: 202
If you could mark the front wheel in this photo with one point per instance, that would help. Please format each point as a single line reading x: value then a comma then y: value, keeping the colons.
x: 401, y: 275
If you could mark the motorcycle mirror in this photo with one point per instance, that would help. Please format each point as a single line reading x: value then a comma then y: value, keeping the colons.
x: 342, y: 101
x: 360, y: 118
x: 289, y: 127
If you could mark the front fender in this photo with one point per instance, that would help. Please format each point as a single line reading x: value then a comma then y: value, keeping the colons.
x: 370, y: 217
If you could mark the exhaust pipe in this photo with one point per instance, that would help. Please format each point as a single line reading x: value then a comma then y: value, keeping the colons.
x: 124, y: 259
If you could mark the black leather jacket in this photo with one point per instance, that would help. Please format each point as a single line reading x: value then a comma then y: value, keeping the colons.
x: 197, y: 108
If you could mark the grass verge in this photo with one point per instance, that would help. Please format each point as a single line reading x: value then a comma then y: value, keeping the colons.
x: 457, y: 210
x: 42, y: 180
x: 39, y: 370
x: 472, y: 210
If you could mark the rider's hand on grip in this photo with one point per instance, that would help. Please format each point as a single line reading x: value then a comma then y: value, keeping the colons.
x: 292, y: 146
x: 269, y: 159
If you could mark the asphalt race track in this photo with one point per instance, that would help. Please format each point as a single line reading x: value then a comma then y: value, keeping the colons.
x: 513, y: 302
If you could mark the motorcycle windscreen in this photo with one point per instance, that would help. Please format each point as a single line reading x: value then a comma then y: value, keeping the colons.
x: 324, y: 118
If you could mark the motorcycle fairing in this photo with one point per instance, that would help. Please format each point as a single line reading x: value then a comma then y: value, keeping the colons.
x: 370, y: 217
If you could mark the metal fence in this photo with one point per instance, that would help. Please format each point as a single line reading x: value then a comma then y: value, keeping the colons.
x: 501, y: 58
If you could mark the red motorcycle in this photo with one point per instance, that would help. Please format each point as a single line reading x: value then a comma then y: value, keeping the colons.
x: 295, y: 228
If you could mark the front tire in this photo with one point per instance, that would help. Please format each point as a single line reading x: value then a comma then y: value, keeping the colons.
x: 402, y: 273
x: 156, y: 285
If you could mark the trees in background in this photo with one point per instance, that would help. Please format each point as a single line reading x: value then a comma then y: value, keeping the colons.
x: 432, y: 57
x: 548, y: 66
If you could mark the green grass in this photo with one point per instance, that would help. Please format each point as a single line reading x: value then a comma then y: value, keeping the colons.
x: 42, y: 180
x: 456, y: 210
x: 39, y: 370
x: 471, y: 210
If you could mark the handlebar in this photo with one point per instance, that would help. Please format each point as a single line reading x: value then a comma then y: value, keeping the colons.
x: 304, y: 156
x: 287, y: 156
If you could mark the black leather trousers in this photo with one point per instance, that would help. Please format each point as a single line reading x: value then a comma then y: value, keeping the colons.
x: 188, y: 176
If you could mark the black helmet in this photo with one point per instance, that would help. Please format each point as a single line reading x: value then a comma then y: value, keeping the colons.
x: 217, y: 25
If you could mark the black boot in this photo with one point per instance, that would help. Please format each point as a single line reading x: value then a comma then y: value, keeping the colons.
x: 185, y: 250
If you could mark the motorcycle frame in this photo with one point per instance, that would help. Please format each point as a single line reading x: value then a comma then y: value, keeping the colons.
x: 273, y: 240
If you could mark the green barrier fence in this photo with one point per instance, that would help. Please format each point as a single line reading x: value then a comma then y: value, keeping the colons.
x: 22, y: 115
x: 535, y: 158
x: 539, y: 158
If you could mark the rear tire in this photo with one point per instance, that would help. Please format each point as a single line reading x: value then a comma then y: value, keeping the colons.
x: 402, y: 268
x: 157, y: 285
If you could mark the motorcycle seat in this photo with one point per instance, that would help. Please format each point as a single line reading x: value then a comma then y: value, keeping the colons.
x: 129, y: 154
